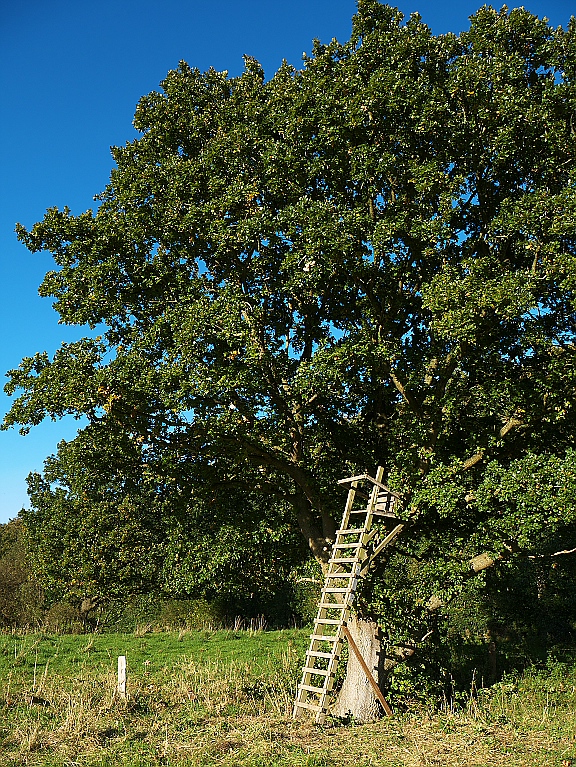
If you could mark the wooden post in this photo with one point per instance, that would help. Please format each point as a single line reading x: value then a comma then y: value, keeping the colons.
x: 122, y: 676
x: 367, y: 671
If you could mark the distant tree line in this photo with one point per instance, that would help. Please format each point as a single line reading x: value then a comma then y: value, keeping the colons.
x: 29, y: 600
x: 21, y: 596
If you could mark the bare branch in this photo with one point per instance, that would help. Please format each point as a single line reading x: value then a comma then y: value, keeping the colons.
x: 508, y: 426
x: 482, y: 562
x: 511, y: 424
x: 555, y: 554
x: 472, y: 461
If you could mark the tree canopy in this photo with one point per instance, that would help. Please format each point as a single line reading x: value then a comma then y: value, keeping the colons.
x: 370, y: 260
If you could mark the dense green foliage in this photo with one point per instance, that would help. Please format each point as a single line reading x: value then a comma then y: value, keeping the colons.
x: 368, y: 261
x: 102, y: 524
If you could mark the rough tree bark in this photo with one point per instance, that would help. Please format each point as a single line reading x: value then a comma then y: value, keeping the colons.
x: 357, y: 698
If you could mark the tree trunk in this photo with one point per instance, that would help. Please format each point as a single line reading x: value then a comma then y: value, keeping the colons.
x: 357, y: 698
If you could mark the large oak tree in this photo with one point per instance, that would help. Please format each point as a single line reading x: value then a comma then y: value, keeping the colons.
x: 367, y: 261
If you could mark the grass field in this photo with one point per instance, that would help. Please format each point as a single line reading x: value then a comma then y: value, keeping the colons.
x: 224, y: 698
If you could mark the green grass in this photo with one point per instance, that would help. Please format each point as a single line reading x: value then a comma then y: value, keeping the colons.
x: 224, y: 698
x: 147, y: 653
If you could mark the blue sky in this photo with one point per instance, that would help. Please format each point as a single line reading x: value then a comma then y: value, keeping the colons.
x: 71, y: 73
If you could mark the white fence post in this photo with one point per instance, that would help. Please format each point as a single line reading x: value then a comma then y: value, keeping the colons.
x: 122, y: 676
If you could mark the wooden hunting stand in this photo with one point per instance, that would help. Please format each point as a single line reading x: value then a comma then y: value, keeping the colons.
x: 354, y: 549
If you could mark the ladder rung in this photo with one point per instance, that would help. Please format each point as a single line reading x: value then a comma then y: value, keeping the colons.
x: 309, y: 706
x: 335, y: 590
x: 311, y: 688
x: 350, y: 530
x: 325, y: 637
x: 319, y: 671
x: 376, y: 482
x: 340, y: 575
x: 347, y: 545
x: 357, y: 478
x: 328, y: 620
x: 317, y: 654
x: 338, y: 560
x: 333, y: 605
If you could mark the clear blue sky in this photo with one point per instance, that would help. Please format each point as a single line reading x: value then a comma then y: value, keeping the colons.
x: 71, y: 72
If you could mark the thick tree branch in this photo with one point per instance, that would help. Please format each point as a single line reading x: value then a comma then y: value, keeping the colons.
x: 509, y: 425
x: 319, y: 545
x: 472, y: 461
x: 512, y: 423
x: 400, y: 653
x: 285, y: 465
x: 445, y: 376
x: 406, y: 396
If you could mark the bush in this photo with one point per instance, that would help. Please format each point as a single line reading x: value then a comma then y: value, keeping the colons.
x: 306, y: 587
x: 63, y: 618
x: 192, y: 614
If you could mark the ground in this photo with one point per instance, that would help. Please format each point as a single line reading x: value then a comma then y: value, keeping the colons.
x: 224, y: 698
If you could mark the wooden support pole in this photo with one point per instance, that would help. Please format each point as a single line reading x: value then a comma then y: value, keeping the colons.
x: 367, y: 671
x: 390, y: 538
x: 122, y: 676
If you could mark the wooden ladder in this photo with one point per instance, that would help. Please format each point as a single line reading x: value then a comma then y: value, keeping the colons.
x: 347, y: 563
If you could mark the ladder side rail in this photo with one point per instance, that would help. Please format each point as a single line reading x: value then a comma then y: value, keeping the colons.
x: 371, y: 508
x: 331, y: 628
x: 349, y: 505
